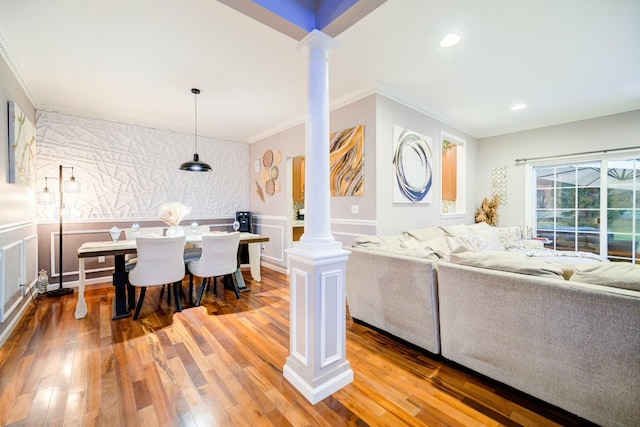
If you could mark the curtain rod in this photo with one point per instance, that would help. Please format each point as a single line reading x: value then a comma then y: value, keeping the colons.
x: 519, y: 162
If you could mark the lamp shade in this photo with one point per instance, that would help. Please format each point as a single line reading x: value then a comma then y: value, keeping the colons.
x: 196, y: 165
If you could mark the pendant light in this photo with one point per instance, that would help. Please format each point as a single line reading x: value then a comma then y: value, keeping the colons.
x: 196, y: 165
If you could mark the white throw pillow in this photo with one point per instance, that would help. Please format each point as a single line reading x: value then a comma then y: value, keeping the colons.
x: 511, y: 237
x: 492, y: 238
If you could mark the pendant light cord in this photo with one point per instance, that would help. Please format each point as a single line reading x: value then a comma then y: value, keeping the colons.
x: 196, y: 92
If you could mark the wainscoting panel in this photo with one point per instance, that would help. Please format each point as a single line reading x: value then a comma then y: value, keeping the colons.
x: 346, y: 230
x: 29, y: 263
x: 18, y: 272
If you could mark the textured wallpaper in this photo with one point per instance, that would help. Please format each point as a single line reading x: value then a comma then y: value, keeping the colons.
x: 127, y: 171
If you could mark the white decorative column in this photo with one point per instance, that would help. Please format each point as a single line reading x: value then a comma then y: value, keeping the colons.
x: 317, y: 365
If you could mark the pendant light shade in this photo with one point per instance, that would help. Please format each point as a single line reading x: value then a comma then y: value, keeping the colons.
x: 195, y: 165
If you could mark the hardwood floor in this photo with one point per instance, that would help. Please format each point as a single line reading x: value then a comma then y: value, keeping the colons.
x: 221, y: 364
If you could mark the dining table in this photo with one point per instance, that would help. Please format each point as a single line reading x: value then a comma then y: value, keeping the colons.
x: 119, y: 249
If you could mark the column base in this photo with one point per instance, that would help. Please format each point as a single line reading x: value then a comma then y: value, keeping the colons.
x: 317, y: 389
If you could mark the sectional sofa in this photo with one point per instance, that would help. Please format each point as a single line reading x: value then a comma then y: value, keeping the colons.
x: 562, y: 327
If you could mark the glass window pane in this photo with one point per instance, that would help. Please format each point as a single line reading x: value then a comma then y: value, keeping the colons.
x: 566, y: 219
x: 620, y: 245
x: 588, y: 220
x: 566, y: 198
x: 545, y: 178
x: 565, y: 240
x: 589, y: 175
x: 589, y: 242
x: 620, y: 197
x: 589, y: 198
x: 545, y: 198
x: 620, y: 221
x: 545, y: 219
x: 566, y: 176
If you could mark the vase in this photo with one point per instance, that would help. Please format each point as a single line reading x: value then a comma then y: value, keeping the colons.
x: 175, y: 230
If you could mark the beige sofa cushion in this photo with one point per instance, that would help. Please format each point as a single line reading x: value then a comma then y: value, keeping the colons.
x: 506, y: 261
x: 425, y: 234
x: 456, y: 230
x: 616, y: 274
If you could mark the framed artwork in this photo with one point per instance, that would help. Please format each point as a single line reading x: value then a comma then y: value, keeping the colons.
x: 347, y: 162
x: 22, y: 147
x: 412, y: 167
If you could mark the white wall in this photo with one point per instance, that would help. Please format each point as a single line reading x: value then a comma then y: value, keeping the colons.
x: 614, y: 131
x: 128, y: 171
x: 394, y: 218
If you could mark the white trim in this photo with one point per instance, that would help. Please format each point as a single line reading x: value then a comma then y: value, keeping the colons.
x: 348, y: 221
x: 5, y: 228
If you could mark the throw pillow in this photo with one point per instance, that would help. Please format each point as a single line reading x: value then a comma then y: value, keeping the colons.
x: 510, y: 237
x: 492, y: 238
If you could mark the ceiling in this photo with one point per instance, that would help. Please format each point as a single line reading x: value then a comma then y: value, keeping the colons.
x: 136, y: 62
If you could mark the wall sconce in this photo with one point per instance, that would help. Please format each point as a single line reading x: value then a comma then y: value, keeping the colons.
x: 47, y: 197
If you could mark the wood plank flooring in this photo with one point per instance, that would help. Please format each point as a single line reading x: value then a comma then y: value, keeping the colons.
x: 221, y: 364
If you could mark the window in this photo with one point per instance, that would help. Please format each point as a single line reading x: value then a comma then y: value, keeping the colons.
x: 453, y: 178
x: 591, y: 206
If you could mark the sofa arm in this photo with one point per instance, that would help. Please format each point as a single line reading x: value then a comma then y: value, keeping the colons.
x: 396, y: 294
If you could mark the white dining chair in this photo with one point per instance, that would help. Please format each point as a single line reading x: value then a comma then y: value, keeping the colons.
x: 219, y: 258
x: 132, y: 233
x: 160, y: 261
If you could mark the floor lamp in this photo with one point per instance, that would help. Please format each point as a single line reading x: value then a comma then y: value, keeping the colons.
x: 47, y: 197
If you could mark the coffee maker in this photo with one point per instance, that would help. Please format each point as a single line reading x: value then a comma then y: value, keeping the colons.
x: 244, y: 218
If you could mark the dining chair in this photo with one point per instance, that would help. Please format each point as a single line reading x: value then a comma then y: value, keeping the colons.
x: 219, y: 258
x: 131, y: 234
x: 160, y: 261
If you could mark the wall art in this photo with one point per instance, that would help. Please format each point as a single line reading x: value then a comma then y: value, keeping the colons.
x: 412, y: 167
x: 347, y: 162
x: 22, y: 147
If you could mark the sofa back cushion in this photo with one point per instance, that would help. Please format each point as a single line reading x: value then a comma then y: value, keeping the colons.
x: 506, y: 261
x: 616, y: 274
x: 424, y: 234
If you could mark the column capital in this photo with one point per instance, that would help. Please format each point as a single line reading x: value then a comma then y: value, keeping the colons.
x: 317, y: 39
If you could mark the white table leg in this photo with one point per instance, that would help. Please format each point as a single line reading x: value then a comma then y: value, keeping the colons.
x: 254, y: 261
x: 81, y: 306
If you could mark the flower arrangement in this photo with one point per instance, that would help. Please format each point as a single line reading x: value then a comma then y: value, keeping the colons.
x: 173, y: 213
x: 488, y: 211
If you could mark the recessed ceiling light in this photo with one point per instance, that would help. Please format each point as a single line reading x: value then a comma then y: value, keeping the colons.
x: 515, y: 107
x: 450, y: 40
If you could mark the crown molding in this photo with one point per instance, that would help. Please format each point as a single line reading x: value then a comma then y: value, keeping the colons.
x: 300, y: 118
x: 363, y: 92
x: 405, y: 100
x: 5, y: 52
